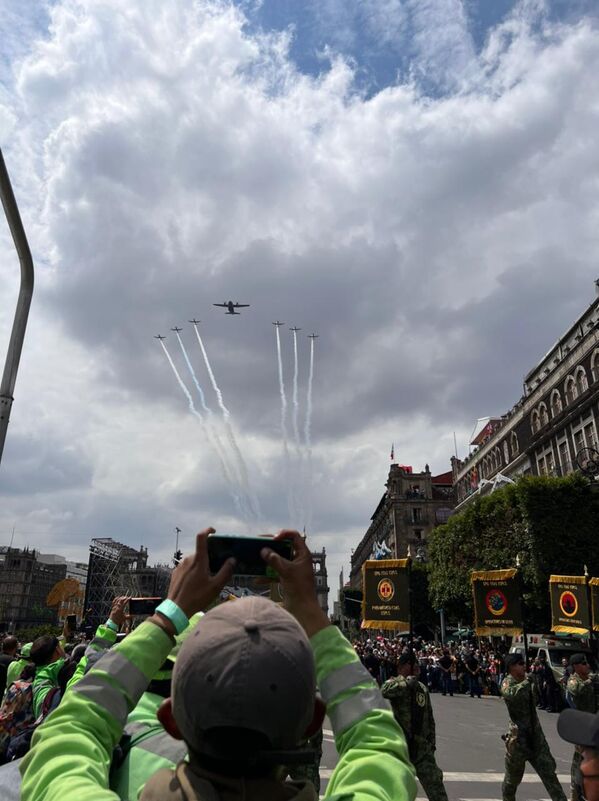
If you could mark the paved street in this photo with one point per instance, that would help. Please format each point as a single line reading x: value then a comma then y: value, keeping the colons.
x: 470, y: 751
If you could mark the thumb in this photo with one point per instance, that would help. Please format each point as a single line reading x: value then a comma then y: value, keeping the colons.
x: 225, y: 573
x: 274, y: 560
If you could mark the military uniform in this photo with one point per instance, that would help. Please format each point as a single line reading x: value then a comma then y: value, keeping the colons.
x: 526, y: 741
x: 413, y: 711
x: 582, y: 693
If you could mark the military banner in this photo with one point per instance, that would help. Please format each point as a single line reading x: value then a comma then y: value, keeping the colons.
x: 386, y: 601
x: 497, y: 607
x: 569, y: 605
x: 594, y: 585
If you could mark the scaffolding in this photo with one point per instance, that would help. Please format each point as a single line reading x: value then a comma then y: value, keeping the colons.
x: 113, y: 570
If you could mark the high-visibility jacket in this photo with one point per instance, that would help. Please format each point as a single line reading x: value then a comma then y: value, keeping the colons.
x: 72, y: 750
x: 46, y: 679
x: 104, y: 638
x: 14, y: 671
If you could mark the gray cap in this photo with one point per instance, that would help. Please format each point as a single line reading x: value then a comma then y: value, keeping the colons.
x: 247, y: 665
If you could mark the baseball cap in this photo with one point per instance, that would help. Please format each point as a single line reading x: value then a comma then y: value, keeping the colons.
x: 578, y: 659
x: 579, y: 728
x: 248, y: 666
x: 26, y: 650
x: 513, y: 659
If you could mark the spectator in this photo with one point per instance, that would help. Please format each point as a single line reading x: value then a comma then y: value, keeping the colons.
x: 48, y: 657
x: 9, y: 650
x: 17, y: 666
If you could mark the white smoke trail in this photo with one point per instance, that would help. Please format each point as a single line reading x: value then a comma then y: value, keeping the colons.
x: 245, y: 482
x: 308, y: 436
x: 211, y: 432
x: 289, y: 486
x: 296, y: 435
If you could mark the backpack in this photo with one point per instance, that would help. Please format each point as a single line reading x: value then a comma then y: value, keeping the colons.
x: 16, y: 712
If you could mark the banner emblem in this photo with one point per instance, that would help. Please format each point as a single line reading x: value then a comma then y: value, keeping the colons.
x: 568, y: 603
x: 496, y: 602
x: 386, y: 590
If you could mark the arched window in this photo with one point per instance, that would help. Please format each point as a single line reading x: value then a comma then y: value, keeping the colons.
x: 498, y: 457
x: 570, y: 390
x: 543, y: 416
x: 514, y: 443
x: 534, y: 421
x: 506, y: 452
x: 556, y: 403
x: 595, y: 365
x: 582, y: 383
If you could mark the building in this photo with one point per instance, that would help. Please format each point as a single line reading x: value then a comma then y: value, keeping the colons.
x: 412, y: 505
x: 319, y: 562
x: 25, y: 583
x: 554, y: 421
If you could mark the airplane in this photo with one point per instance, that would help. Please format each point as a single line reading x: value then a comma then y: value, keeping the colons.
x: 295, y: 328
x: 278, y: 324
x: 194, y: 321
x: 312, y: 336
x: 158, y: 336
x: 176, y: 330
x: 230, y: 306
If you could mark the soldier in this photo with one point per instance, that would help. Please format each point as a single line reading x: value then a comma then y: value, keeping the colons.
x: 413, y: 711
x: 525, y: 740
x: 581, y: 692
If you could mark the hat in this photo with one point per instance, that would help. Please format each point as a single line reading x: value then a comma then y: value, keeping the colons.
x: 248, y: 666
x: 26, y: 650
x: 578, y: 659
x: 513, y: 659
x: 407, y: 658
x: 580, y: 728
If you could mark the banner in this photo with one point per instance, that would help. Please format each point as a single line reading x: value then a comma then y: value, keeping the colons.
x: 497, y: 607
x: 569, y: 605
x: 594, y: 585
x: 386, y: 601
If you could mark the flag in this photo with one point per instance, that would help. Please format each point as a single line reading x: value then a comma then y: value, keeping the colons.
x: 386, y: 599
x: 497, y: 607
x: 569, y: 605
x: 392, y: 452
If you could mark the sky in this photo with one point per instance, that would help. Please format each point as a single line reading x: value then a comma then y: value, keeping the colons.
x: 416, y: 181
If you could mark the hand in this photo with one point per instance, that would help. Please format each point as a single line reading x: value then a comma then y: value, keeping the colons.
x: 117, y: 611
x: 297, y: 581
x: 192, y: 587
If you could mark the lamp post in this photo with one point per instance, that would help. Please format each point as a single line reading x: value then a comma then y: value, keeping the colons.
x: 13, y: 355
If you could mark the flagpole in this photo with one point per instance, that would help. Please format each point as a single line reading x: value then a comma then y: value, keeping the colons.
x: 590, y: 608
x: 521, y: 588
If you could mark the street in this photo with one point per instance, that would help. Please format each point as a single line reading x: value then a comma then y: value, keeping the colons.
x: 471, y: 753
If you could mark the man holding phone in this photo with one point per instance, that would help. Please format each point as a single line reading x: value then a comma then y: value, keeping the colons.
x: 239, y: 734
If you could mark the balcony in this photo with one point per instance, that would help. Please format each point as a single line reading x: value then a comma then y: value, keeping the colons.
x: 422, y: 520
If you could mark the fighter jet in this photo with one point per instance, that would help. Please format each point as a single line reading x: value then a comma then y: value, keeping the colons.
x: 158, y: 336
x: 230, y: 306
x: 312, y: 336
x: 194, y: 321
x: 295, y: 328
x: 176, y: 330
x: 278, y: 324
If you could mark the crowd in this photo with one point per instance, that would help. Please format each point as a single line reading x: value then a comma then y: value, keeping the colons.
x: 220, y: 702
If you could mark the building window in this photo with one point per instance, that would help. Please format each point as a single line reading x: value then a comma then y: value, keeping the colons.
x: 541, y: 465
x: 570, y: 390
x: 534, y: 421
x: 418, y: 533
x: 506, y: 452
x: 578, y: 440
x: 595, y: 365
x: 564, y: 457
x: 582, y: 383
x: 556, y: 403
x: 543, y: 416
x: 498, y: 457
x: 590, y: 437
x: 549, y: 462
x: 515, y: 446
x: 416, y: 515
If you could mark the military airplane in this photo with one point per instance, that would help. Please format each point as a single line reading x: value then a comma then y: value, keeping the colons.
x: 230, y: 306
x: 312, y: 336
x: 158, y: 336
x: 176, y: 330
x: 295, y: 328
x: 194, y: 321
x: 278, y: 324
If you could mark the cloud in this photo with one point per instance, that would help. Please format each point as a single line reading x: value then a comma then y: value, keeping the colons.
x: 169, y: 157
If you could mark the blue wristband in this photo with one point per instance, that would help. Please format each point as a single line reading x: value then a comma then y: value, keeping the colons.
x: 112, y: 625
x: 175, y: 614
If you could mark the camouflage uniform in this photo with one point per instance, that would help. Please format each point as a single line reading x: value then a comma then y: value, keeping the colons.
x: 310, y: 772
x: 583, y: 696
x: 413, y: 711
x: 526, y: 741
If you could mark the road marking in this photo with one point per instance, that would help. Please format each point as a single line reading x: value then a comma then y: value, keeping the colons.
x: 528, y: 778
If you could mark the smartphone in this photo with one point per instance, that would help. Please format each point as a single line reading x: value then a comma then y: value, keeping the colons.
x: 143, y: 606
x: 72, y: 622
x: 246, y: 552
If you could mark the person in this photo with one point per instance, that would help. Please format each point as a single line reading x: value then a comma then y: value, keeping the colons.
x: 7, y: 657
x: 581, y: 693
x: 48, y: 657
x: 525, y: 740
x: 582, y: 730
x: 447, y: 665
x: 243, y: 699
x: 473, y: 675
x: 413, y: 711
x: 18, y: 665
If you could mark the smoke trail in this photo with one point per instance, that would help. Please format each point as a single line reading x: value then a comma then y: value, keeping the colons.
x: 211, y: 431
x: 197, y: 414
x: 296, y: 435
x: 289, y: 486
x: 308, y: 434
x: 245, y: 482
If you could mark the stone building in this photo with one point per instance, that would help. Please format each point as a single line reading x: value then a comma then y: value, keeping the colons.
x: 554, y: 420
x: 412, y: 505
x: 25, y: 582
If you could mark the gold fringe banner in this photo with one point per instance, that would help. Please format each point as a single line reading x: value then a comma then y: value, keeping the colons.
x: 567, y: 579
x: 384, y: 564
x: 594, y: 582
x: 493, y: 575
x: 569, y: 630
x: 399, y: 564
x: 494, y: 632
x: 387, y: 625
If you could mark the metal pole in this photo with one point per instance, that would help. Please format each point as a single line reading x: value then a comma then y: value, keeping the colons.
x: 443, y: 633
x: 13, y: 355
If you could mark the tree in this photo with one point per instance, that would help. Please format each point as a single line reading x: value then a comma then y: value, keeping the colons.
x: 551, y: 523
